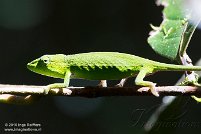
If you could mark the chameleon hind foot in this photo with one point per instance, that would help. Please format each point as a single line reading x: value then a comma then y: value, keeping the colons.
x: 140, y: 82
x: 103, y: 83
x: 152, y: 89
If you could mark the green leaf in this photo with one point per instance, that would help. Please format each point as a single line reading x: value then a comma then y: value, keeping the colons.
x: 171, y: 39
x: 173, y: 9
x: 166, y: 40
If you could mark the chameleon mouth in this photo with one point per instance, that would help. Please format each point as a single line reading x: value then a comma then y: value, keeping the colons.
x: 32, y: 65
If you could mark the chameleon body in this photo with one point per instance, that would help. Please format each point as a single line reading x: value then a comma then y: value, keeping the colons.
x: 101, y: 66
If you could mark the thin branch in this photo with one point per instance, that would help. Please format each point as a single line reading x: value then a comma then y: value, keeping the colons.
x: 27, y: 94
x: 92, y: 92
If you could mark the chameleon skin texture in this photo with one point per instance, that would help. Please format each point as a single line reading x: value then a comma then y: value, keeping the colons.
x: 103, y: 65
x: 99, y: 65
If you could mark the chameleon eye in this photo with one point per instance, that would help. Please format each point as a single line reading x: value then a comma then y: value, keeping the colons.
x: 45, y: 60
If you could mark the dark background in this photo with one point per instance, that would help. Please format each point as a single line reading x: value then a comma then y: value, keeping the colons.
x: 30, y: 29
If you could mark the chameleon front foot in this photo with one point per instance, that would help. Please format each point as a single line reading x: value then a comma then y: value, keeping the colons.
x: 46, y: 90
x: 53, y: 86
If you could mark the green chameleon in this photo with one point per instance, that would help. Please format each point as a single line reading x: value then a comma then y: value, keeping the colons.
x: 101, y: 66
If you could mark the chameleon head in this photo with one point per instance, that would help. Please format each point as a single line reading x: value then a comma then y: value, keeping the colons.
x: 49, y: 65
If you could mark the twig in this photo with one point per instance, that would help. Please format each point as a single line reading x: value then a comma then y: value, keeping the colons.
x: 92, y: 92
x: 27, y: 94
